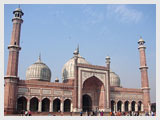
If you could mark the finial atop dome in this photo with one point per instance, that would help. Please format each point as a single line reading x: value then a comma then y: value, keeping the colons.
x: 78, y: 48
x: 39, y: 58
x: 76, y: 52
x: 56, y: 80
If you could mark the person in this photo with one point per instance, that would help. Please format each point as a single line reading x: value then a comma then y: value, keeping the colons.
x: 101, y: 113
x: 26, y: 113
x: 88, y: 113
x: 96, y: 112
x: 110, y: 114
x: 29, y: 113
x: 152, y: 113
x: 146, y: 114
x: 130, y: 113
x: 93, y: 113
x: 81, y: 114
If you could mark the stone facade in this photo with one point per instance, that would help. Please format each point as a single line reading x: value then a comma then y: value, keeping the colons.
x: 87, y: 89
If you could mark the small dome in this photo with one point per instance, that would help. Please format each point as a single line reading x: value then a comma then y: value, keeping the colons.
x: 68, y: 68
x: 38, y: 71
x: 114, y: 79
x: 141, y: 41
x: 18, y: 9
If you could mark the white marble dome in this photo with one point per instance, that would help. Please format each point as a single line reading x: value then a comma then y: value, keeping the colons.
x: 38, y: 71
x: 114, y: 79
x: 68, y: 68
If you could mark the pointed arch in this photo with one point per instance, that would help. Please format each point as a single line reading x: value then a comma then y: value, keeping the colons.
x: 126, y: 105
x: 45, y: 105
x: 119, y: 106
x: 112, y: 105
x: 133, y: 103
x: 67, y: 105
x: 34, y: 104
x: 140, y: 106
x: 56, y: 105
x: 21, y: 104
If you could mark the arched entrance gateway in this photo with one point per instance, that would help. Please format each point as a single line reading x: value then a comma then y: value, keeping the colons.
x: 21, y: 104
x: 87, y: 103
x: 93, y: 94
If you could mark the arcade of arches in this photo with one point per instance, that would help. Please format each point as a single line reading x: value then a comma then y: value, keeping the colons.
x: 56, y: 105
x: 92, y: 99
x: 44, y: 105
x: 126, y: 106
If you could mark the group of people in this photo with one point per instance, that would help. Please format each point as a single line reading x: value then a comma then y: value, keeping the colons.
x: 26, y: 113
x: 101, y: 113
x: 91, y: 113
x: 132, y: 113
x: 118, y: 113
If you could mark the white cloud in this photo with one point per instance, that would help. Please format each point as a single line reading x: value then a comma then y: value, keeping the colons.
x: 124, y: 14
x: 92, y: 14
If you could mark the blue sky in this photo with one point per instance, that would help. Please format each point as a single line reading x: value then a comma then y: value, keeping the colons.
x: 100, y: 30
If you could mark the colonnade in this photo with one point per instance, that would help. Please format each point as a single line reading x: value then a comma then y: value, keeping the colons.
x: 126, y: 106
x: 44, y: 105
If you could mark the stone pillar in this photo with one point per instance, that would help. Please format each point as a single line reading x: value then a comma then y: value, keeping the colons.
x: 71, y: 107
x: 115, y: 107
x: 28, y: 104
x: 51, y: 106
x: 122, y: 107
x: 62, y: 106
x: 40, y: 106
x: 129, y: 107
x: 142, y: 109
x: 144, y: 75
x: 149, y: 108
x: 136, y: 107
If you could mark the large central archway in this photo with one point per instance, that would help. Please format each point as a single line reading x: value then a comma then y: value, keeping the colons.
x: 95, y: 89
x: 87, y: 103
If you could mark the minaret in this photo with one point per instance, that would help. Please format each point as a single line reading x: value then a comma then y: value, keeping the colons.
x: 108, y: 68
x: 75, y: 98
x: 11, y: 77
x: 144, y: 75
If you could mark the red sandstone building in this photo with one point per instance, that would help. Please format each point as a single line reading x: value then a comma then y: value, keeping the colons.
x: 85, y: 87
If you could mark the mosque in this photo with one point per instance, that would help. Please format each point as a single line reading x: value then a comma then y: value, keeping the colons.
x: 85, y: 87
